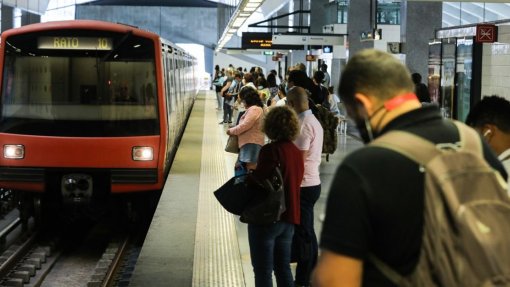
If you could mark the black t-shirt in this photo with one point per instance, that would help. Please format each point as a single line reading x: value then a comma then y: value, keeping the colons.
x: 375, y: 203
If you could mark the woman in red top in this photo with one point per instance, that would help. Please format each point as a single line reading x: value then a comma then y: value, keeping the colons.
x: 270, y: 245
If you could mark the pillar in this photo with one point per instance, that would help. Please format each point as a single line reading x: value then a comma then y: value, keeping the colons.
x: 419, y: 20
x: 360, y: 19
x: 7, y: 18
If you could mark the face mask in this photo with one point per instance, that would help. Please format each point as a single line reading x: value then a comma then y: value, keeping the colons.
x: 244, y: 82
x: 260, y: 87
x: 362, y: 122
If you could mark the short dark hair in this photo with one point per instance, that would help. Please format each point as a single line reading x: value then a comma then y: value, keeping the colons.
x: 416, y: 78
x: 299, y: 78
x: 318, y: 76
x: 281, y: 123
x: 251, y: 97
x: 491, y: 110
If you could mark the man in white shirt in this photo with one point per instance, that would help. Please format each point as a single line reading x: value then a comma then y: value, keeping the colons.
x: 309, y: 141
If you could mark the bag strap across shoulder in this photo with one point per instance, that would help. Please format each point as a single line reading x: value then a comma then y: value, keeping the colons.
x: 421, y: 150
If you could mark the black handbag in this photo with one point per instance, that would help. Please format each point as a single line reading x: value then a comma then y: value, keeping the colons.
x: 234, y: 195
x: 268, y: 202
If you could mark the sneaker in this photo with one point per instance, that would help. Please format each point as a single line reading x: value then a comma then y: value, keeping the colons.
x: 222, y: 123
x: 229, y: 122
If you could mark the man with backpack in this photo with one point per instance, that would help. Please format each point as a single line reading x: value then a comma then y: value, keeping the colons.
x: 397, y: 212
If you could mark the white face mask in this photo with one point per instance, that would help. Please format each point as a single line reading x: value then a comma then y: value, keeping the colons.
x: 261, y: 87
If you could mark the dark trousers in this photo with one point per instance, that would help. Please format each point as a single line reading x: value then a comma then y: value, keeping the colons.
x: 227, y: 113
x: 304, y: 268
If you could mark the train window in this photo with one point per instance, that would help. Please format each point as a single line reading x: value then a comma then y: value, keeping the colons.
x: 70, y: 89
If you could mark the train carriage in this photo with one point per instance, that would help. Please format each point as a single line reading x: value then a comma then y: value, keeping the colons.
x: 90, y: 108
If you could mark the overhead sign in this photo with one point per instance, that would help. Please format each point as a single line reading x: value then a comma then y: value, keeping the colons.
x: 305, y: 39
x: 255, y: 40
x: 486, y: 33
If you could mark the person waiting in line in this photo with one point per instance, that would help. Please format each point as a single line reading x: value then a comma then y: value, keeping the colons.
x: 375, y: 203
x: 263, y: 90
x: 218, y: 84
x: 333, y: 100
x: 327, y: 79
x: 273, y: 87
x: 491, y: 118
x: 281, y: 99
x: 249, y: 130
x: 420, y: 88
x: 230, y: 97
x: 226, y: 86
x: 319, y: 92
x: 309, y: 142
x: 270, y: 245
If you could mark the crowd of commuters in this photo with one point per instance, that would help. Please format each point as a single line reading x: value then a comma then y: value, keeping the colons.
x: 368, y: 215
x: 279, y: 109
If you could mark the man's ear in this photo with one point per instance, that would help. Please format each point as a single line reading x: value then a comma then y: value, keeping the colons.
x: 365, y: 101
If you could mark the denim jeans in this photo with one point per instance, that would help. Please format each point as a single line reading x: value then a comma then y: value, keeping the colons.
x: 270, y: 250
x: 309, y: 195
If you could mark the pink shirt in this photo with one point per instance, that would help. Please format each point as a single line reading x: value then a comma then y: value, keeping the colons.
x: 249, y: 129
x: 309, y: 141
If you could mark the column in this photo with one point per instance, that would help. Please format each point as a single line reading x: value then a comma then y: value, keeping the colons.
x: 29, y: 18
x: 323, y: 13
x: 418, y: 24
x: 7, y: 18
x: 360, y: 19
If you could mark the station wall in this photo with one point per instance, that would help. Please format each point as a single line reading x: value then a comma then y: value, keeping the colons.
x: 496, y: 65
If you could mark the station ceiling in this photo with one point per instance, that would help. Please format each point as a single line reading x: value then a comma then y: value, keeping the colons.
x: 175, y: 3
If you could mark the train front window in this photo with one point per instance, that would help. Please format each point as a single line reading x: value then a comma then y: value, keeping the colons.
x: 79, y: 83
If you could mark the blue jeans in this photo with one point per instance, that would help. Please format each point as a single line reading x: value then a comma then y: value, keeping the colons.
x: 270, y: 250
x: 309, y: 196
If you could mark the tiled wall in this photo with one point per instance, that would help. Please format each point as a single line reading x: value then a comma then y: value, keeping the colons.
x: 496, y: 65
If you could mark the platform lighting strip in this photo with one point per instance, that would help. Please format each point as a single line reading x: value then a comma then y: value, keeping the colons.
x: 242, y: 12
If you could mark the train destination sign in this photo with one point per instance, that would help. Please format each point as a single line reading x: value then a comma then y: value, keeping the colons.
x: 75, y: 43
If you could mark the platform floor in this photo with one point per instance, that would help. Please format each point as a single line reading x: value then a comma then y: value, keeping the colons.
x: 192, y: 240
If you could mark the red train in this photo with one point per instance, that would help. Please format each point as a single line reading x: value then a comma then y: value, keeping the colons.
x: 90, y: 109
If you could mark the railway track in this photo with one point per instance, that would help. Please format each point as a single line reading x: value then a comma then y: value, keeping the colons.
x: 85, y: 254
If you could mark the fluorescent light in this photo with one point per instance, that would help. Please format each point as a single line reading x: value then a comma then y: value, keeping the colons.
x: 249, y: 9
x: 244, y: 15
x: 252, y: 5
x: 232, y: 31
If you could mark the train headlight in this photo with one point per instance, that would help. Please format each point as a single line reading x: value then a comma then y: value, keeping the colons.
x: 143, y: 153
x: 14, y: 151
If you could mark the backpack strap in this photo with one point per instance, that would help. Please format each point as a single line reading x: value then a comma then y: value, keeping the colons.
x: 469, y: 138
x: 412, y: 146
x: 421, y: 150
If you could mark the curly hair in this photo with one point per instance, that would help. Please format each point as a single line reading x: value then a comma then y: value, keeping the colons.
x: 281, y: 123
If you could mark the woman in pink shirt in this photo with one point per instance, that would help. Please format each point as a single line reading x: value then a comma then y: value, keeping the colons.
x: 249, y: 129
